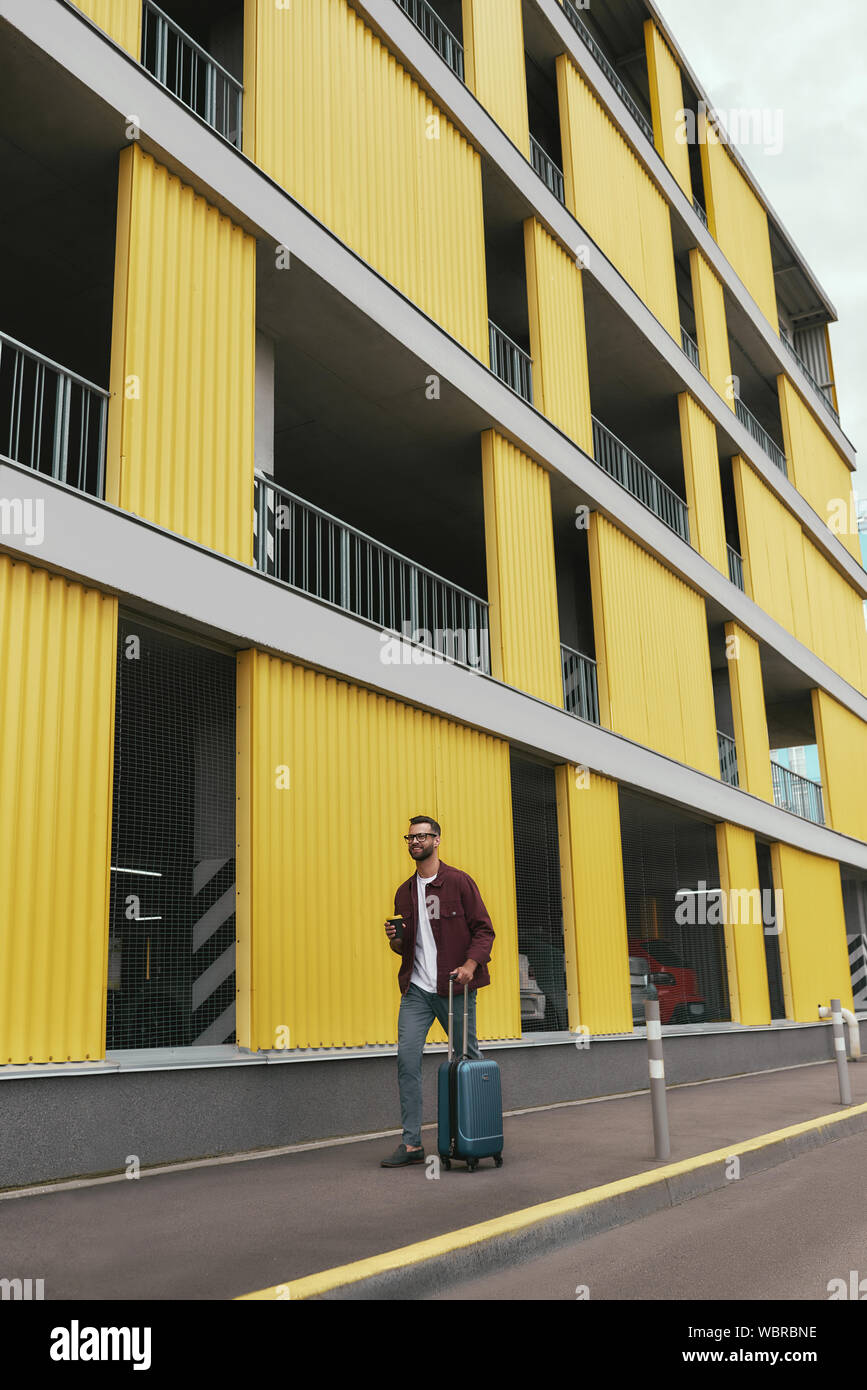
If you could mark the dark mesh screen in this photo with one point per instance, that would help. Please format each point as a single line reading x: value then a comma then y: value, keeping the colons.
x: 772, y: 940
x: 666, y: 852
x: 855, y: 910
x: 540, y: 900
x: 171, y: 974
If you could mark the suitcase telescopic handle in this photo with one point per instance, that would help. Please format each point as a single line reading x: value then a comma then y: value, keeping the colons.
x: 452, y: 1014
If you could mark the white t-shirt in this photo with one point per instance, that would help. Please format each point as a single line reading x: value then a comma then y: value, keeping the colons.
x: 425, y: 971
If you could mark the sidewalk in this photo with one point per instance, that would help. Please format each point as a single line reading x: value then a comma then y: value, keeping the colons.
x: 231, y: 1228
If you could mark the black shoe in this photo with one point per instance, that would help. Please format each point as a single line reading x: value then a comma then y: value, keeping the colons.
x: 402, y: 1157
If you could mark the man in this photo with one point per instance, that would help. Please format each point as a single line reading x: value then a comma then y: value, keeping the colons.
x: 446, y: 930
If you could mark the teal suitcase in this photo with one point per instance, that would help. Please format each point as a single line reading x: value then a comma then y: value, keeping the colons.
x: 470, y: 1104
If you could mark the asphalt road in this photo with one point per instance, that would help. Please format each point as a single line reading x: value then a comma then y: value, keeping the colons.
x: 783, y: 1234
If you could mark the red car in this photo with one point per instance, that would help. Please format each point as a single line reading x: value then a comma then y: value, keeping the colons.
x: 676, y: 984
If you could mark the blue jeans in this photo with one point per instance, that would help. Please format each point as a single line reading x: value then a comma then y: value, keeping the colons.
x: 416, y: 1015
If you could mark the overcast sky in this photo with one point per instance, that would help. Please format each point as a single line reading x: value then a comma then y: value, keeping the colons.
x: 808, y: 61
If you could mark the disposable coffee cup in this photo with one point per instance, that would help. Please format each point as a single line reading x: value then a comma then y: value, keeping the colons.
x: 397, y: 923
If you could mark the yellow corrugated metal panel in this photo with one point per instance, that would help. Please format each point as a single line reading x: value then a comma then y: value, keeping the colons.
x: 181, y: 416
x: 703, y: 485
x: 655, y: 683
x: 837, y: 618
x: 744, y: 928
x: 335, y: 119
x: 832, y: 376
x: 614, y: 198
x: 495, y: 64
x: 818, y: 471
x: 749, y: 713
x: 558, y: 341
x: 58, y: 645
x: 739, y: 224
x: 842, y: 740
x: 789, y: 577
x: 711, y: 327
x: 522, y: 580
x: 121, y: 20
x: 312, y: 954
x: 594, y: 902
x: 666, y: 104
x: 813, y: 952
x: 773, y: 553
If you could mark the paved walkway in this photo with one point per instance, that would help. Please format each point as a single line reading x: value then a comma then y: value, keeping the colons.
x: 230, y: 1228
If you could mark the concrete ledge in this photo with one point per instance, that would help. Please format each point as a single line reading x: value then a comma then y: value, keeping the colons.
x: 428, y: 1267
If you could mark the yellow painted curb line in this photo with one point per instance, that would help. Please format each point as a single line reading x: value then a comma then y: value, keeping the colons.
x: 313, y: 1285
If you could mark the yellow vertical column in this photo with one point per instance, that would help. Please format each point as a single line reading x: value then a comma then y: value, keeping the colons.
x: 495, y: 64
x: 341, y: 124
x: 738, y: 222
x: 744, y: 927
x: 711, y: 327
x: 58, y: 650
x: 558, y: 341
x: 181, y: 416
x: 813, y: 951
x: 818, y: 471
x: 748, y: 712
x: 653, y: 657
x: 522, y: 580
x: 613, y: 197
x: 313, y: 965
x: 703, y: 485
x: 594, y: 902
x: 666, y: 104
x: 842, y: 740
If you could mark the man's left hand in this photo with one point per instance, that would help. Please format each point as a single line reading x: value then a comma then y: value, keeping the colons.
x: 465, y: 973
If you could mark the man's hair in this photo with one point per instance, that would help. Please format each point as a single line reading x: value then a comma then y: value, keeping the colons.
x: 434, y: 825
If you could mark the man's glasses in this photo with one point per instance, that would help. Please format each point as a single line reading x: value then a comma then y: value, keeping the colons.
x: 409, y: 838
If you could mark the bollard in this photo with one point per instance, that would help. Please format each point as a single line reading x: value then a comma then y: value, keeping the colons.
x: 658, y: 1100
x: 840, y: 1053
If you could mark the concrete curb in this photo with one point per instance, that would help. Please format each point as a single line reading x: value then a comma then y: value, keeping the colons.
x: 430, y: 1266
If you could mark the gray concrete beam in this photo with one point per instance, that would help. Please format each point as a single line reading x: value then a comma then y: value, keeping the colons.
x: 161, y: 575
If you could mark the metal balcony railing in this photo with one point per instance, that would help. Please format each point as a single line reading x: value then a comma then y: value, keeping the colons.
x: 547, y: 170
x: 633, y: 474
x: 309, y: 549
x: 438, y: 34
x: 728, y: 758
x: 191, y: 74
x: 798, y: 794
x: 52, y: 420
x: 821, y: 391
x: 580, y: 687
x: 690, y: 347
x: 736, y: 567
x: 702, y: 215
x: 761, y: 436
x: 511, y: 363
x: 588, y: 40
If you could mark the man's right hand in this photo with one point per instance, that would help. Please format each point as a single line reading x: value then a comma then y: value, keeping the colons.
x: 390, y: 930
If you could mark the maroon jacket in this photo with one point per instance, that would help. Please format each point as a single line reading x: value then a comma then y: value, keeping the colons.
x: 462, y: 931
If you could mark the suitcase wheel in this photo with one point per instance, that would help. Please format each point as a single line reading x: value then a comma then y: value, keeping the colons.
x: 472, y: 1165
x: 446, y: 1162
x: 498, y: 1160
